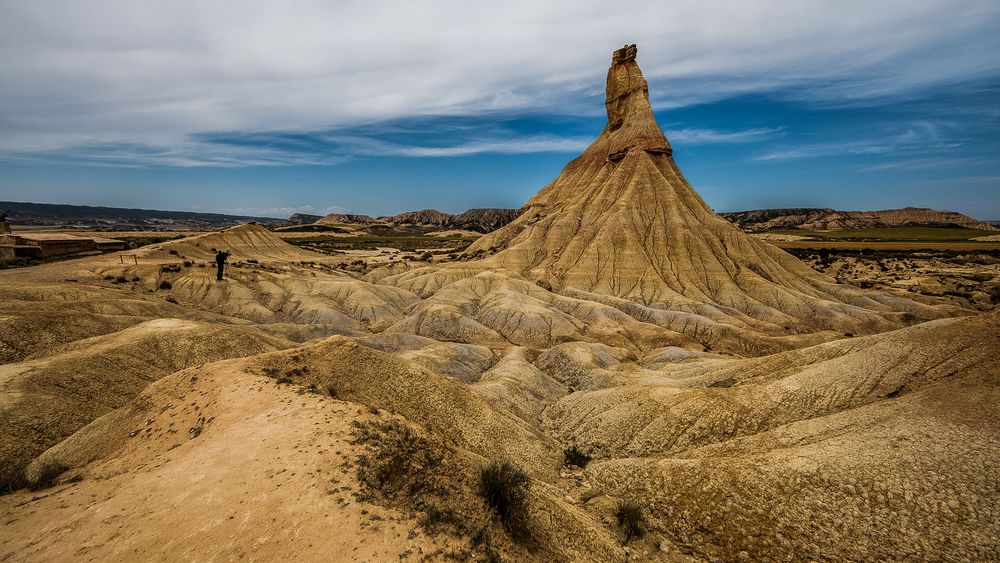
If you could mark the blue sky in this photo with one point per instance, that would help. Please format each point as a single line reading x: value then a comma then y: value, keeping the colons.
x: 361, y: 108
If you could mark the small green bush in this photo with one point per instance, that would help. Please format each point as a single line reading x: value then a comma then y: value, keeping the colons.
x: 166, y: 285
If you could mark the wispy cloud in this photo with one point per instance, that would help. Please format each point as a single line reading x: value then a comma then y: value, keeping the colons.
x: 450, y: 145
x: 182, y: 154
x: 923, y: 136
x: 512, y: 146
x: 927, y: 163
x: 827, y: 149
x: 714, y: 136
x: 298, y: 149
x: 988, y: 179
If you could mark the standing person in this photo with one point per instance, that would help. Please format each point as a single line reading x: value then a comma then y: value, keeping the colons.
x: 220, y: 261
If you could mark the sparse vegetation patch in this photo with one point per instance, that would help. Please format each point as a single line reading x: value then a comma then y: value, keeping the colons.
x: 630, y: 519
x: 572, y: 456
x: 505, y: 486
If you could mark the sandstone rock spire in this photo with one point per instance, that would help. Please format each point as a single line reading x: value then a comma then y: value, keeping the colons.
x: 631, y: 123
x: 622, y: 226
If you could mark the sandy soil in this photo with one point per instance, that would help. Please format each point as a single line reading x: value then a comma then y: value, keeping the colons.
x: 286, y: 493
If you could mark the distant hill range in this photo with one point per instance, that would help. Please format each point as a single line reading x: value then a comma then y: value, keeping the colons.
x: 119, y: 219
x: 482, y: 220
x: 758, y: 220
x: 300, y: 219
x: 814, y: 219
x: 478, y: 220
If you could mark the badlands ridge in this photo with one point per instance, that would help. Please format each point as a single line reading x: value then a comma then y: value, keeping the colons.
x: 749, y: 406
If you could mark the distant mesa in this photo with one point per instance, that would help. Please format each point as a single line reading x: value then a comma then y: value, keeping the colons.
x: 344, y: 219
x: 486, y: 220
x: 430, y: 217
x: 478, y: 220
x: 813, y: 219
x: 49, y: 245
x: 300, y: 219
x: 24, y: 214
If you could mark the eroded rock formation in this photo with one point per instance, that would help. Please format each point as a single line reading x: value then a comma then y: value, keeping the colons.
x: 313, y: 413
x: 623, y: 227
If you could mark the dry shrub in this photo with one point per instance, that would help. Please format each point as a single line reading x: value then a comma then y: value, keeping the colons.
x: 631, y: 520
x: 399, y: 463
x: 574, y: 457
x: 504, y: 486
x: 407, y: 469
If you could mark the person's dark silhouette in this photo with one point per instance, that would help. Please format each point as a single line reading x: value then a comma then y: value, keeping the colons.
x: 220, y: 261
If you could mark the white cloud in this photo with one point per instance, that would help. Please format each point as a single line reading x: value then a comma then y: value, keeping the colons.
x: 828, y: 149
x: 370, y: 146
x: 914, y: 137
x: 714, y: 136
x: 185, y: 153
x: 927, y: 163
x: 154, y: 73
x: 325, y: 150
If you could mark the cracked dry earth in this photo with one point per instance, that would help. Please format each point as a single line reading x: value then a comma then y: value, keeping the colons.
x: 750, y: 407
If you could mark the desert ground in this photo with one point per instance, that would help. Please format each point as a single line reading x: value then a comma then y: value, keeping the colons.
x: 617, y: 374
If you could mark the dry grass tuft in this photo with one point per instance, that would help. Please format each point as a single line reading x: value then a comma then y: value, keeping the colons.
x: 631, y: 520
x: 505, y: 486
